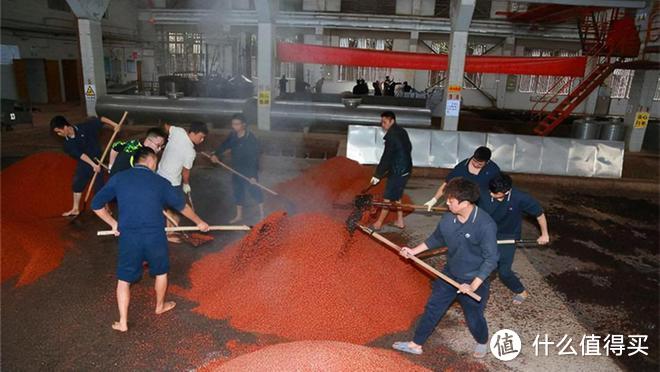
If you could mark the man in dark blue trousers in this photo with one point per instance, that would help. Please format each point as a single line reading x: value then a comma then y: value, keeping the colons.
x: 141, y: 195
x: 506, y: 205
x: 470, y: 236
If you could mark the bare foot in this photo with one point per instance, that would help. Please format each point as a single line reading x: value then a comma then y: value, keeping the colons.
x: 235, y: 220
x: 117, y: 326
x: 167, y: 306
x: 173, y: 239
x: 71, y: 213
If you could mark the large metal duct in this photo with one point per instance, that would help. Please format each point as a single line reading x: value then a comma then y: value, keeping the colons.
x: 318, y: 113
x: 289, y: 114
x: 152, y: 109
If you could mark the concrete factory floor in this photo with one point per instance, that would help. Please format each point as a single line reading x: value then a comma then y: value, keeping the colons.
x: 599, y: 276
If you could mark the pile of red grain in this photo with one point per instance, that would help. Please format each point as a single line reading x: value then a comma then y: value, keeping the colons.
x: 334, y: 182
x: 317, y: 356
x: 303, y: 277
x: 35, y: 191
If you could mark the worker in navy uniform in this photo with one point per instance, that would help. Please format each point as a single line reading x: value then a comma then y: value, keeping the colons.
x: 470, y: 236
x: 478, y: 168
x: 141, y: 197
x: 395, y: 163
x: 506, y: 205
x: 81, y: 142
x: 121, y: 153
x: 245, y: 153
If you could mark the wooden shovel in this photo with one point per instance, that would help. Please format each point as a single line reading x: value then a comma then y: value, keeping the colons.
x: 232, y: 170
x: 418, y: 261
x: 191, y: 228
x: 105, y: 153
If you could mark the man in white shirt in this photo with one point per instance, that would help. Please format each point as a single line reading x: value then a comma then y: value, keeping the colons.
x: 179, y: 156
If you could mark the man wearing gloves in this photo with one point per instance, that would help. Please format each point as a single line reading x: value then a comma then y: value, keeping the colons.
x: 478, y: 168
x: 506, y: 206
x: 470, y: 236
x: 179, y: 156
x: 396, y: 163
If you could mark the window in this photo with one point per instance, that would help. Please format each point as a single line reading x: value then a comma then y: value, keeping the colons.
x: 185, y: 54
x: 561, y: 85
x: 352, y: 73
x: 474, y: 77
x: 621, y: 82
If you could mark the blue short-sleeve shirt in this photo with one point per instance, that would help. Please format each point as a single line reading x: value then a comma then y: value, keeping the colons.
x: 472, y: 245
x: 141, y: 195
x: 508, y: 213
x: 482, y: 179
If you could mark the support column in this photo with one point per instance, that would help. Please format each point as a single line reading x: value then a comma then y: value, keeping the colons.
x: 506, y: 83
x: 420, y: 78
x: 641, y: 98
x: 89, y: 14
x: 265, y: 73
x: 461, y: 15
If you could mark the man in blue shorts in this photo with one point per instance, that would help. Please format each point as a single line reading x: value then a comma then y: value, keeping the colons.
x: 141, y: 197
x: 478, y: 169
x: 395, y: 163
x: 81, y: 142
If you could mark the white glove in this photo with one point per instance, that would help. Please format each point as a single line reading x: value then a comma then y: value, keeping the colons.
x: 186, y: 188
x: 429, y: 204
x: 374, y: 181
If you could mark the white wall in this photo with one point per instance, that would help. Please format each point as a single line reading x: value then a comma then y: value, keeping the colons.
x: 43, y: 33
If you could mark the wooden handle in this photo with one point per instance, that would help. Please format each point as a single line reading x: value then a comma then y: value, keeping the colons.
x: 418, y: 261
x: 513, y: 241
x: 105, y: 153
x: 191, y: 228
x: 410, y: 206
x: 232, y: 170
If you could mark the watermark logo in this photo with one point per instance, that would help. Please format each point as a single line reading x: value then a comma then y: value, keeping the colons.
x: 505, y: 345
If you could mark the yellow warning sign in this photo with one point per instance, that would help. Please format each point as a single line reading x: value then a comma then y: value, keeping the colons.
x: 264, y: 97
x: 454, y: 89
x: 90, y: 92
x: 641, y: 119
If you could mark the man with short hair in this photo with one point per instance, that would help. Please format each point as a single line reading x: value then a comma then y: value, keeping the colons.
x: 478, y: 168
x: 245, y: 153
x: 121, y: 154
x: 506, y: 205
x: 81, y: 142
x: 178, y: 158
x: 395, y: 163
x: 141, y: 197
x: 470, y: 236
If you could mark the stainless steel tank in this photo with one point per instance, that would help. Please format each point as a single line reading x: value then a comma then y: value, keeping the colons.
x: 586, y: 129
x: 612, y: 130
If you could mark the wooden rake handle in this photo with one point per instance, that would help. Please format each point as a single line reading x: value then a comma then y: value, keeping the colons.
x: 105, y: 153
x: 191, y: 228
x: 232, y: 170
x: 418, y: 261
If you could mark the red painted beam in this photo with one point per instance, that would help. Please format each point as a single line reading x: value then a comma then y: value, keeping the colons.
x: 551, y: 66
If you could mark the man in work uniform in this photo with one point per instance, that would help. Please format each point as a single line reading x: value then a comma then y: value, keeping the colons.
x: 478, y: 168
x: 141, y: 197
x: 470, y: 236
x: 178, y: 158
x: 506, y: 206
x: 121, y: 154
x: 245, y: 153
x: 81, y: 142
x: 396, y: 163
